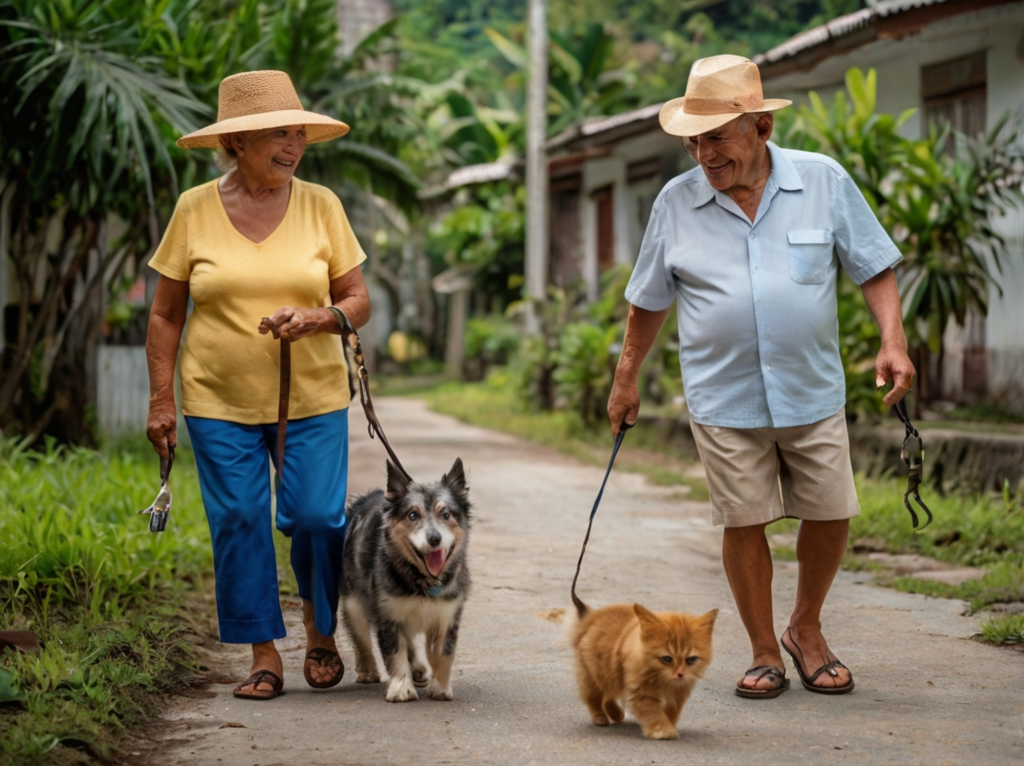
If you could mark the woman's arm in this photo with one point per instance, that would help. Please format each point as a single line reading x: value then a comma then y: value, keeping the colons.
x: 166, y: 321
x: 348, y: 293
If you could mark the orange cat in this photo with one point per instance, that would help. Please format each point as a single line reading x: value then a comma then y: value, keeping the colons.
x: 628, y: 655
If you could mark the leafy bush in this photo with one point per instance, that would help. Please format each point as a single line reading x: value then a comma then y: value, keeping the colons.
x: 583, y: 370
x: 490, y: 341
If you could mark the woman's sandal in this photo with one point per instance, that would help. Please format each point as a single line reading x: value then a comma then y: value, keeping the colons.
x: 773, y: 674
x: 325, y: 658
x: 249, y: 688
x: 828, y: 667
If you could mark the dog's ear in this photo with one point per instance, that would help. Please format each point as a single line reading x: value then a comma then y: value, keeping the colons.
x: 397, y: 483
x: 455, y: 479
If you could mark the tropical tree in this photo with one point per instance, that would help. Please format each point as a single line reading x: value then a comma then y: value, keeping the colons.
x: 86, y: 108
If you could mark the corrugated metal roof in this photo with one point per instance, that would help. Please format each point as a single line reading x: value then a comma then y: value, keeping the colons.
x: 840, y: 27
x: 597, y: 125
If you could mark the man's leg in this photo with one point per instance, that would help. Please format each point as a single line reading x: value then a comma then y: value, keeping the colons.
x: 748, y: 565
x: 820, y: 546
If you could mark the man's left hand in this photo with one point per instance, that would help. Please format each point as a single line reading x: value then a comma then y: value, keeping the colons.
x: 892, y: 365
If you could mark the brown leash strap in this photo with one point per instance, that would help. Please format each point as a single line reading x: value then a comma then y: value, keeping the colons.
x: 282, y: 406
x: 349, y: 339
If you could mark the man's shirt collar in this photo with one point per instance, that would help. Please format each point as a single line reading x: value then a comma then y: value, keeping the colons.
x: 783, y: 175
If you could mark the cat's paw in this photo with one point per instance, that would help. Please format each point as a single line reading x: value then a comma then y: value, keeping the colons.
x: 401, y: 689
x: 599, y: 719
x: 437, y: 692
x: 661, y: 731
x: 614, y: 712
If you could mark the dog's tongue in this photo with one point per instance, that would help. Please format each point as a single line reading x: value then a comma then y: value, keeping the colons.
x: 435, y: 561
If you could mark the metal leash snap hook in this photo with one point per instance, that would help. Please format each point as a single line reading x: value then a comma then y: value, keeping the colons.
x: 913, y: 455
x: 160, y: 509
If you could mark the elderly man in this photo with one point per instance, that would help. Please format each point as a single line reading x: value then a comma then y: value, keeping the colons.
x: 749, y: 247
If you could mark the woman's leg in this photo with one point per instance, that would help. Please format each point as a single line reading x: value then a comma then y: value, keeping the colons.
x: 233, y: 476
x: 311, y: 510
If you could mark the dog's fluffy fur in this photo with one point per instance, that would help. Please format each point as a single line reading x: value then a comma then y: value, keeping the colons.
x: 406, y: 581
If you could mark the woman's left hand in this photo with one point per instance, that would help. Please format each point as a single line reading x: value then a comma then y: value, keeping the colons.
x: 297, y: 323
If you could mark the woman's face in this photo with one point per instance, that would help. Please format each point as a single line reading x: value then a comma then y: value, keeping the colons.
x: 269, y: 157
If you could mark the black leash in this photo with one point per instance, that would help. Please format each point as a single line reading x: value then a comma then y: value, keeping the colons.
x: 913, y: 455
x: 580, y: 606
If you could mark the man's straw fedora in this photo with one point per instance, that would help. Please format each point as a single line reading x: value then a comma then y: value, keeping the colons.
x: 257, y: 101
x: 720, y: 89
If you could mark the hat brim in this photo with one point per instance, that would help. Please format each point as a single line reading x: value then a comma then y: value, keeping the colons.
x: 676, y: 122
x: 319, y: 127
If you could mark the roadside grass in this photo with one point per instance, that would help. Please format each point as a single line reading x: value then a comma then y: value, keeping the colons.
x: 115, y: 606
x: 979, y: 530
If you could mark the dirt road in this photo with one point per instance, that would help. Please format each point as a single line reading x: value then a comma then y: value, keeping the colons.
x: 926, y: 692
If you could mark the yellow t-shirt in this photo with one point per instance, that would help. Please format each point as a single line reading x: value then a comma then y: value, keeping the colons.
x: 228, y: 370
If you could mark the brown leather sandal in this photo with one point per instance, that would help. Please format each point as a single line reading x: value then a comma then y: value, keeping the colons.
x: 244, y: 692
x: 776, y: 675
x: 828, y: 667
x: 325, y: 658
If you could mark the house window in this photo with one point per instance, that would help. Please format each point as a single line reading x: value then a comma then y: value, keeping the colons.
x: 604, y: 199
x: 954, y: 93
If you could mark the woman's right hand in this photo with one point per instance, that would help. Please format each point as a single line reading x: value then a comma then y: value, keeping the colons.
x: 162, y: 426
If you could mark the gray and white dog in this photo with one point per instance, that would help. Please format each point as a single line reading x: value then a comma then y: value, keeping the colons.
x: 406, y: 581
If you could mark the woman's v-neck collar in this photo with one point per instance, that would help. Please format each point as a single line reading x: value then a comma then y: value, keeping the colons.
x: 295, y: 183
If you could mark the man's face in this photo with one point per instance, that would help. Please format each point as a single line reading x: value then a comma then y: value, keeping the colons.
x: 732, y: 155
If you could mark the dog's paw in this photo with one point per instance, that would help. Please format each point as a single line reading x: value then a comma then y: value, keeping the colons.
x: 421, y: 678
x: 368, y: 677
x: 401, y: 689
x: 661, y: 731
x: 438, y: 692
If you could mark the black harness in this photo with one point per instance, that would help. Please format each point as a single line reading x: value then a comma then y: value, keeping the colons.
x: 913, y: 455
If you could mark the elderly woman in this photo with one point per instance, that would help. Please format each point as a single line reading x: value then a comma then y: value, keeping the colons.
x: 261, y: 254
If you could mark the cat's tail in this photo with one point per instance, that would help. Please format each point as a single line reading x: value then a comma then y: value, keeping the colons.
x: 582, y: 610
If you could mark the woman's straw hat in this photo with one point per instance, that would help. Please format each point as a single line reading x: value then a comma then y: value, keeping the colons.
x: 257, y: 101
x: 720, y: 89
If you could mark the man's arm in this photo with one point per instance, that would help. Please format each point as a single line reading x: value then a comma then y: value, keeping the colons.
x: 892, y: 363
x: 642, y: 328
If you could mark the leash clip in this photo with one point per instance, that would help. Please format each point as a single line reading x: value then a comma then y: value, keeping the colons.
x: 160, y: 509
x: 912, y: 453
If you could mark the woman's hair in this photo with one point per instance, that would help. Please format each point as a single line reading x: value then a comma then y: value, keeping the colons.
x: 226, y: 157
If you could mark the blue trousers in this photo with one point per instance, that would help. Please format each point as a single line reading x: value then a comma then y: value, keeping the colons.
x: 235, y: 481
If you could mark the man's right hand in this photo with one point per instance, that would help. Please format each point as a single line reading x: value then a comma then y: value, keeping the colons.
x: 162, y: 426
x: 623, y: 405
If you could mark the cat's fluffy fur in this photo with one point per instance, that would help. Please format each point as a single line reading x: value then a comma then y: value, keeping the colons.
x: 628, y: 656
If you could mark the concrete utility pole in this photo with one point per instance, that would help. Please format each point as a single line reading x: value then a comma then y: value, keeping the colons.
x: 536, y: 269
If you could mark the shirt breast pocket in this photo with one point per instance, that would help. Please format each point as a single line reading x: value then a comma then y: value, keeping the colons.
x: 810, y: 255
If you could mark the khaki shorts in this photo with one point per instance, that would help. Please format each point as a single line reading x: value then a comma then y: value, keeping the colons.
x: 758, y: 475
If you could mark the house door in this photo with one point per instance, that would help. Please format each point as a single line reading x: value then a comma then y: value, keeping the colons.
x: 604, y: 199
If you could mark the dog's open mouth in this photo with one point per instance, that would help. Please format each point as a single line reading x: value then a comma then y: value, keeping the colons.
x: 435, y: 561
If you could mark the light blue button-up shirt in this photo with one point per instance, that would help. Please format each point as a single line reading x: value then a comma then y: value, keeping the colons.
x: 756, y: 303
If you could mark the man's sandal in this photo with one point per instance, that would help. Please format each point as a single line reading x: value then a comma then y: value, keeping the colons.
x: 325, y: 658
x: 828, y: 667
x: 775, y: 675
x: 249, y: 688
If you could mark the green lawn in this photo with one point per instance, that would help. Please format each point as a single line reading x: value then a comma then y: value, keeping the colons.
x: 114, y: 605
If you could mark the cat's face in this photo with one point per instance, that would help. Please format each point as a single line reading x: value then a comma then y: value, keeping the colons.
x: 676, y: 647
